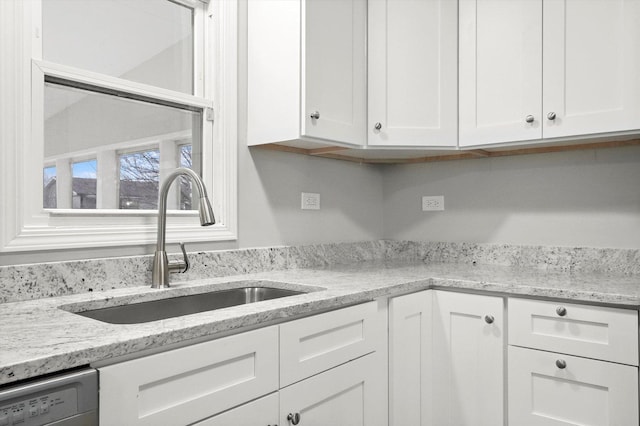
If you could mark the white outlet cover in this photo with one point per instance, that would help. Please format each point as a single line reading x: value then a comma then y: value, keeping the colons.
x: 433, y: 203
x: 310, y: 201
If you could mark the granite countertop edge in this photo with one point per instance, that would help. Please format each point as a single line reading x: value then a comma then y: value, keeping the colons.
x: 39, y: 337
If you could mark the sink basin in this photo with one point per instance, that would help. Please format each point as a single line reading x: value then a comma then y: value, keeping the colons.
x: 154, y: 310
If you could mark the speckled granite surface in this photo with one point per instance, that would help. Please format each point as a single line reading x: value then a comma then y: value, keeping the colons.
x: 39, y: 337
x: 27, y: 282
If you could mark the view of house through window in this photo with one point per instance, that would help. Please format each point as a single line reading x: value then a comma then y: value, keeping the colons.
x: 83, y: 184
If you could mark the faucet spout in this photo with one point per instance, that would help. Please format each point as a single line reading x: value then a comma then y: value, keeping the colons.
x: 161, y: 264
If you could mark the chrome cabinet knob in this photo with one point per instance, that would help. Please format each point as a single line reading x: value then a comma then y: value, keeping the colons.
x: 294, y: 418
x: 561, y: 364
x: 377, y: 126
x: 551, y: 116
x: 489, y: 319
x: 315, y: 115
x: 561, y: 311
x: 529, y: 118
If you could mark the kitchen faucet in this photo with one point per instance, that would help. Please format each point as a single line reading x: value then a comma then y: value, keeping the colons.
x: 161, y: 265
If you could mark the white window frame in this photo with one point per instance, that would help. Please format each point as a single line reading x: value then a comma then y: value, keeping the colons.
x: 24, y: 224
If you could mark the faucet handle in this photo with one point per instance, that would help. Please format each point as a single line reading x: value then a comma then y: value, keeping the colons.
x: 182, y: 266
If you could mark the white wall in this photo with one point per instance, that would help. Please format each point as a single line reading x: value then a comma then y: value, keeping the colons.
x: 585, y: 198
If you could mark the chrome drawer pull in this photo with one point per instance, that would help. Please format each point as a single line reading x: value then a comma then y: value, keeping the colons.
x: 561, y: 364
x: 561, y: 310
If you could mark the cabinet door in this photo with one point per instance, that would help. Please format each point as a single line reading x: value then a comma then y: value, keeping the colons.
x: 500, y: 71
x: 349, y: 395
x: 261, y: 412
x: 334, y: 70
x: 413, y: 72
x: 410, y: 359
x: 189, y: 384
x: 591, y: 66
x: 468, y: 359
x: 584, y: 392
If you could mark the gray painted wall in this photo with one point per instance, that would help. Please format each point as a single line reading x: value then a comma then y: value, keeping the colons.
x: 585, y: 198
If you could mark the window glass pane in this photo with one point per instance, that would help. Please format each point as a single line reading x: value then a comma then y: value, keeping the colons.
x: 80, y: 123
x: 139, y: 174
x: 84, y: 184
x: 49, y: 187
x: 147, y: 41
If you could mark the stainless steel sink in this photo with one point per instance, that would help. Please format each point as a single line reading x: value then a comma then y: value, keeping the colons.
x: 154, y: 310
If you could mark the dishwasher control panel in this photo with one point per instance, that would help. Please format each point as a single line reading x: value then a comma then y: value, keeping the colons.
x: 62, y: 399
x: 41, y: 409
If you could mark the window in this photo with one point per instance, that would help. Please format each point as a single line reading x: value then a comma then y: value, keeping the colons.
x: 121, y: 93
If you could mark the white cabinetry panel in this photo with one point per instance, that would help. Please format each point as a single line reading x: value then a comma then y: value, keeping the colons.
x: 306, y: 57
x: 597, y: 332
x: 545, y: 69
x: 311, y: 345
x: 410, y: 347
x: 468, y: 359
x: 349, y: 395
x: 185, y: 385
x: 583, y: 392
x: 591, y: 66
x: 500, y: 71
x: 412, y: 73
x: 334, y: 70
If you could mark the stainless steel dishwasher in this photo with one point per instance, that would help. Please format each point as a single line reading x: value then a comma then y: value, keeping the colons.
x: 69, y: 399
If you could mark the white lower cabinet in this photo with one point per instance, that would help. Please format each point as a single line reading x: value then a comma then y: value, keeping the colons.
x: 446, y: 359
x: 326, y: 368
x: 349, y: 395
x: 447, y: 353
x: 547, y: 389
x: 468, y: 359
x: 186, y: 385
x: 572, y: 364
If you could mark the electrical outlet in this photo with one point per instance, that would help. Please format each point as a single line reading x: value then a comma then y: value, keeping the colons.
x: 310, y: 201
x: 433, y: 203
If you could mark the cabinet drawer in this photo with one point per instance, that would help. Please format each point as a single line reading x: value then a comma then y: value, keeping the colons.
x: 584, y: 392
x: 608, y: 334
x: 188, y: 384
x: 318, y: 343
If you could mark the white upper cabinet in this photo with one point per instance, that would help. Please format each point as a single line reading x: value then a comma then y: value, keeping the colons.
x: 533, y: 69
x: 591, y: 67
x: 334, y: 70
x: 500, y: 71
x: 306, y: 71
x: 412, y: 68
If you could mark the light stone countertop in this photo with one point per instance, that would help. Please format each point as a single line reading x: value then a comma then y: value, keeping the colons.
x: 39, y: 338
